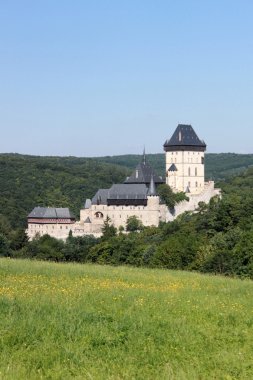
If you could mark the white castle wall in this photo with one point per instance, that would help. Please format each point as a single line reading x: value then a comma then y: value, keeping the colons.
x: 208, y: 192
x: 190, y: 171
x: 149, y: 215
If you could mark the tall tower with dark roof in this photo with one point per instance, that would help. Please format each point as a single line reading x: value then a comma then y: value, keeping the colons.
x: 185, y: 161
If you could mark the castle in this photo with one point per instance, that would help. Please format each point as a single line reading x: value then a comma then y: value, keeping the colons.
x: 137, y: 196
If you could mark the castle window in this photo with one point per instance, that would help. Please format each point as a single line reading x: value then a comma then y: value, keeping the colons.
x: 189, y: 184
x: 202, y: 160
x: 66, y: 227
x: 196, y: 184
x: 196, y: 171
x: 99, y: 214
x: 189, y: 171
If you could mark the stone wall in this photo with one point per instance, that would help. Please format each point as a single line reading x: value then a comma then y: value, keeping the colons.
x: 194, y: 199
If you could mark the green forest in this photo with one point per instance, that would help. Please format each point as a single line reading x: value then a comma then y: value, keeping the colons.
x: 217, y: 239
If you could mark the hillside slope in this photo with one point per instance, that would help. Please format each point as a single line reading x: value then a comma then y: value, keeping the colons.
x: 95, y: 322
x: 29, y: 181
x: 218, y: 166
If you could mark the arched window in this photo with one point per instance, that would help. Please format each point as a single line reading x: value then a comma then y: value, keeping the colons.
x: 189, y: 171
x: 196, y: 184
x: 99, y: 214
x: 196, y: 172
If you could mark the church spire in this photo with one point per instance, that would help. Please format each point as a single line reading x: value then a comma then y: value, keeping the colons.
x: 144, y: 156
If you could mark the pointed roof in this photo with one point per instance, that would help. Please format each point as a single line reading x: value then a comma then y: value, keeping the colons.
x: 184, y: 138
x: 87, y: 203
x: 152, y: 189
x: 144, y: 156
x: 173, y: 168
x: 143, y: 173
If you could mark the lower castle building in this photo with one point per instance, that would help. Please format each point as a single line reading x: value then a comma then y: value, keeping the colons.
x: 137, y: 196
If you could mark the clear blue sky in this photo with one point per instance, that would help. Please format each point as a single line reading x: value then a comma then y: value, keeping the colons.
x: 91, y: 78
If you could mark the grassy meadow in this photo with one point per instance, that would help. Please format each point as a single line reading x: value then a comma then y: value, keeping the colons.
x: 65, y: 321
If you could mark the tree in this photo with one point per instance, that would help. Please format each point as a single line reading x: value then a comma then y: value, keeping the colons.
x: 19, y: 239
x: 108, y: 229
x: 133, y: 224
x: 4, y: 246
x: 168, y: 197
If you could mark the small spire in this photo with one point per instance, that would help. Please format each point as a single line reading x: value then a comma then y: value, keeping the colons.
x: 144, y: 156
x: 152, y: 190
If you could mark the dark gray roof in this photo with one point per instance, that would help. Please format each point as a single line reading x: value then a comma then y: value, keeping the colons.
x: 51, y: 213
x: 173, y: 168
x: 143, y: 174
x: 184, y: 137
x: 100, y: 197
x: 128, y: 191
x: 120, y: 191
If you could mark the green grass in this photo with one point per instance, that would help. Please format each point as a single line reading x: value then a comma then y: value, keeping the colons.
x: 65, y: 321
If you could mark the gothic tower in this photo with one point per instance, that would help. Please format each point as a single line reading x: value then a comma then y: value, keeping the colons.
x: 185, y: 160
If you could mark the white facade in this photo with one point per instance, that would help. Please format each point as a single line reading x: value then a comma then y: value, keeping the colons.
x: 190, y: 173
x: 149, y: 215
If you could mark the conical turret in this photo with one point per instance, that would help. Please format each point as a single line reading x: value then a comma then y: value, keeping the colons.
x: 152, y: 189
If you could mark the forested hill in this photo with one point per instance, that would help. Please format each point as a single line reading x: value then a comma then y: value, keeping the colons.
x: 218, y: 166
x: 29, y: 181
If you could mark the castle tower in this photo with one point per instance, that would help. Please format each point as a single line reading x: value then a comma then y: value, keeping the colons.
x: 185, y: 160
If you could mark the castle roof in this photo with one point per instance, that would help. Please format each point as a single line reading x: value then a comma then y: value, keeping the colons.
x: 51, y: 213
x: 184, y: 138
x: 134, y: 191
x: 143, y: 173
x: 128, y: 191
x: 100, y: 197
